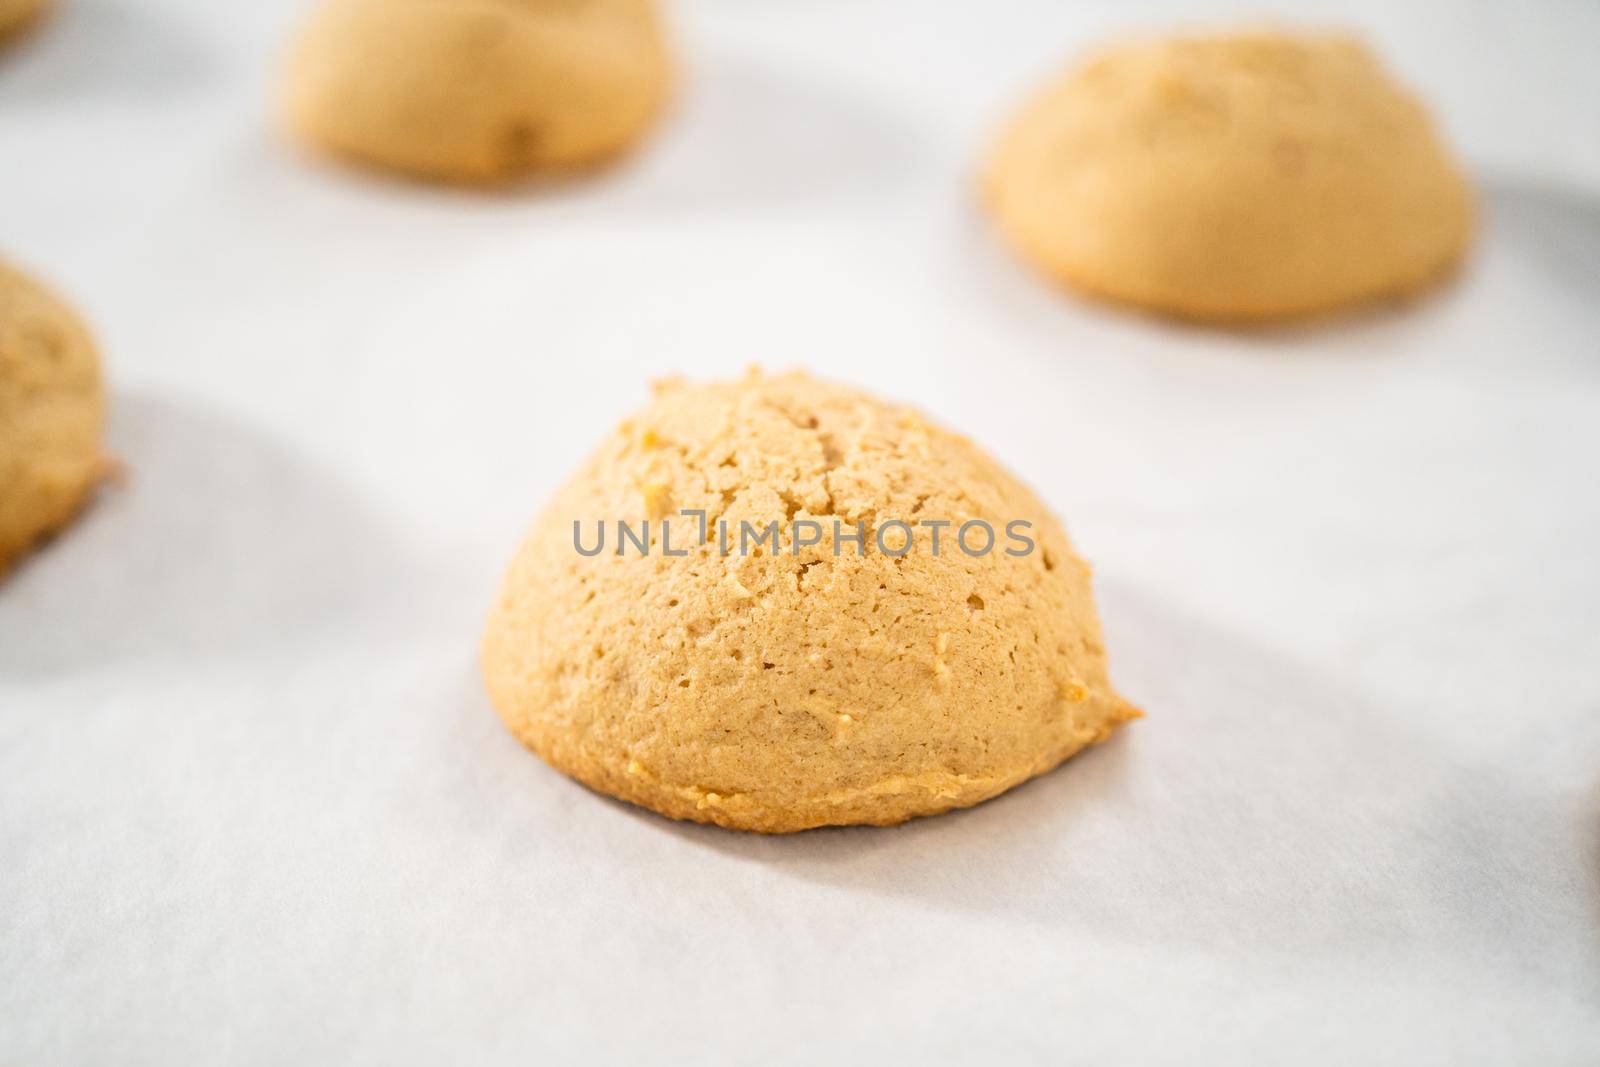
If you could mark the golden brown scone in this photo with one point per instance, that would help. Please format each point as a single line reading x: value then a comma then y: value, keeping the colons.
x: 17, y: 15
x: 52, y: 410
x: 1232, y: 177
x: 777, y: 692
x: 477, y: 90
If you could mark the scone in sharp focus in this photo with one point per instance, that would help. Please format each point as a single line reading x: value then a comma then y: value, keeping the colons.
x: 477, y: 90
x: 51, y: 413
x: 819, y: 684
x: 1232, y: 177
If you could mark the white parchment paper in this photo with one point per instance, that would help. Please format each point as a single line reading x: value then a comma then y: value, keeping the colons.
x: 255, y: 808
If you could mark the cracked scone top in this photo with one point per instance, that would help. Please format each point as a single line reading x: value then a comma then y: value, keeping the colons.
x: 1242, y: 176
x: 777, y: 692
x: 52, y: 409
x: 477, y: 90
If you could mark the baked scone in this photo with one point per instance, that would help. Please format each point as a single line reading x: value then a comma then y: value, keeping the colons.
x: 16, y: 15
x: 1232, y: 177
x: 52, y: 410
x: 819, y: 683
x: 477, y: 90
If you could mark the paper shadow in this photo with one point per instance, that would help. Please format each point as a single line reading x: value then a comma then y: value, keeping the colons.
x: 218, y: 542
x: 1556, y: 226
x: 742, y: 135
x: 100, y: 48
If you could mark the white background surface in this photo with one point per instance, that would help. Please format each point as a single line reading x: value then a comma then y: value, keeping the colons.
x: 255, y: 808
